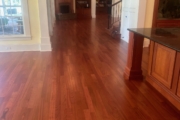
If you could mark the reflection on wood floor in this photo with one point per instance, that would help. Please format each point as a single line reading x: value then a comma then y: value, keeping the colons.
x: 81, y: 79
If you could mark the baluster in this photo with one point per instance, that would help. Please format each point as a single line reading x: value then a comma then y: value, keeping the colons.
x: 109, y: 17
x: 120, y: 10
x: 120, y: 13
x: 116, y: 12
x: 119, y: 18
x: 113, y: 14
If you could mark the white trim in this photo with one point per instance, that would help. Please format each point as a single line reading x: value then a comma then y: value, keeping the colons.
x: 25, y: 15
x: 13, y: 37
x: 18, y: 48
x: 46, y: 47
x: 50, y: 17
x: 53, y: 17
x: 45, y: 40
x: 45, y: 44
x: 43, y: 16
x: 28, y: 47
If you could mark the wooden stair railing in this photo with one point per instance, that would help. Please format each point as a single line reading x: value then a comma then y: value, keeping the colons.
x: 114, y: 17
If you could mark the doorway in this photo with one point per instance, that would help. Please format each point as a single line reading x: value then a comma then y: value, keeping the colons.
x: 83, y: 8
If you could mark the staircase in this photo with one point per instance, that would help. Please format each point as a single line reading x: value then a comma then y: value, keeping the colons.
x: 114, y: 19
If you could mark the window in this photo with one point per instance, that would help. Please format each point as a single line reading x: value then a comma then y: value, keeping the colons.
x: 14, y: 21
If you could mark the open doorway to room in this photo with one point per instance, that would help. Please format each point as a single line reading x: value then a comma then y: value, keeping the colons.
x: 83, y: 8
x: 92, y: 8
x: 110, y: 9
x: 86, y: 8
x: 65, y: 9
x: 102, y: 6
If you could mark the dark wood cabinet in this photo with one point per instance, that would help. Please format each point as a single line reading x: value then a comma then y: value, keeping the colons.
x: 163, y: 64
x: 166, y: 13
x: 164, y: 72
x: 162, y: 24
x: 177, y: 76
x: 178, y: 89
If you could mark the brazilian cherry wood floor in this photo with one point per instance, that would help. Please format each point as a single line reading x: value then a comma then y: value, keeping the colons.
x: 81, y: 79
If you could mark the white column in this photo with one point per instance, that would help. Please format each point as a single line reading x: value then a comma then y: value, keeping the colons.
x: 93, y: 8
x: 49, y: 17
x: 74, y: 6
x: 53, y: 11
x: 43, y: 16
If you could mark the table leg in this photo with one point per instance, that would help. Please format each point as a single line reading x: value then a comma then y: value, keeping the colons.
x: 133, y: 69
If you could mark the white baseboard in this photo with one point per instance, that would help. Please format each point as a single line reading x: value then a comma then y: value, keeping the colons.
x: 126, y: 40
x: 21, y: 48
x: 17, y: 48
x: 45, y: 44
x: 46, y: 47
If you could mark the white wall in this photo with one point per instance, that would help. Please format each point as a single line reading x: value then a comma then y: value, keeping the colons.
x: 133, y: 16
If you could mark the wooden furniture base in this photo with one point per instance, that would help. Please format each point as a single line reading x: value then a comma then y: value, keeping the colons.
x: 133, y: 69
x: 163, y: 68
x: 170, y: 96
x: 164, y: 72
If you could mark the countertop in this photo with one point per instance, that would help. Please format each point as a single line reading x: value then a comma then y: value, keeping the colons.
x: 169, y: 37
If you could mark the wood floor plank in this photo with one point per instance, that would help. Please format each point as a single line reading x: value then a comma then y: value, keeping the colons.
x: 81, y: 79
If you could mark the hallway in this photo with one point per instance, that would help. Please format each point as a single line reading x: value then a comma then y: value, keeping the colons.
x: 81, y: 79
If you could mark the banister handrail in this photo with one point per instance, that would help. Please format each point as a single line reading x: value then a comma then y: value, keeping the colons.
x: 114, y: 4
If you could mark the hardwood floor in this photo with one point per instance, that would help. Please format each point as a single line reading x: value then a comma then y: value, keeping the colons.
x: 81, y: 79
